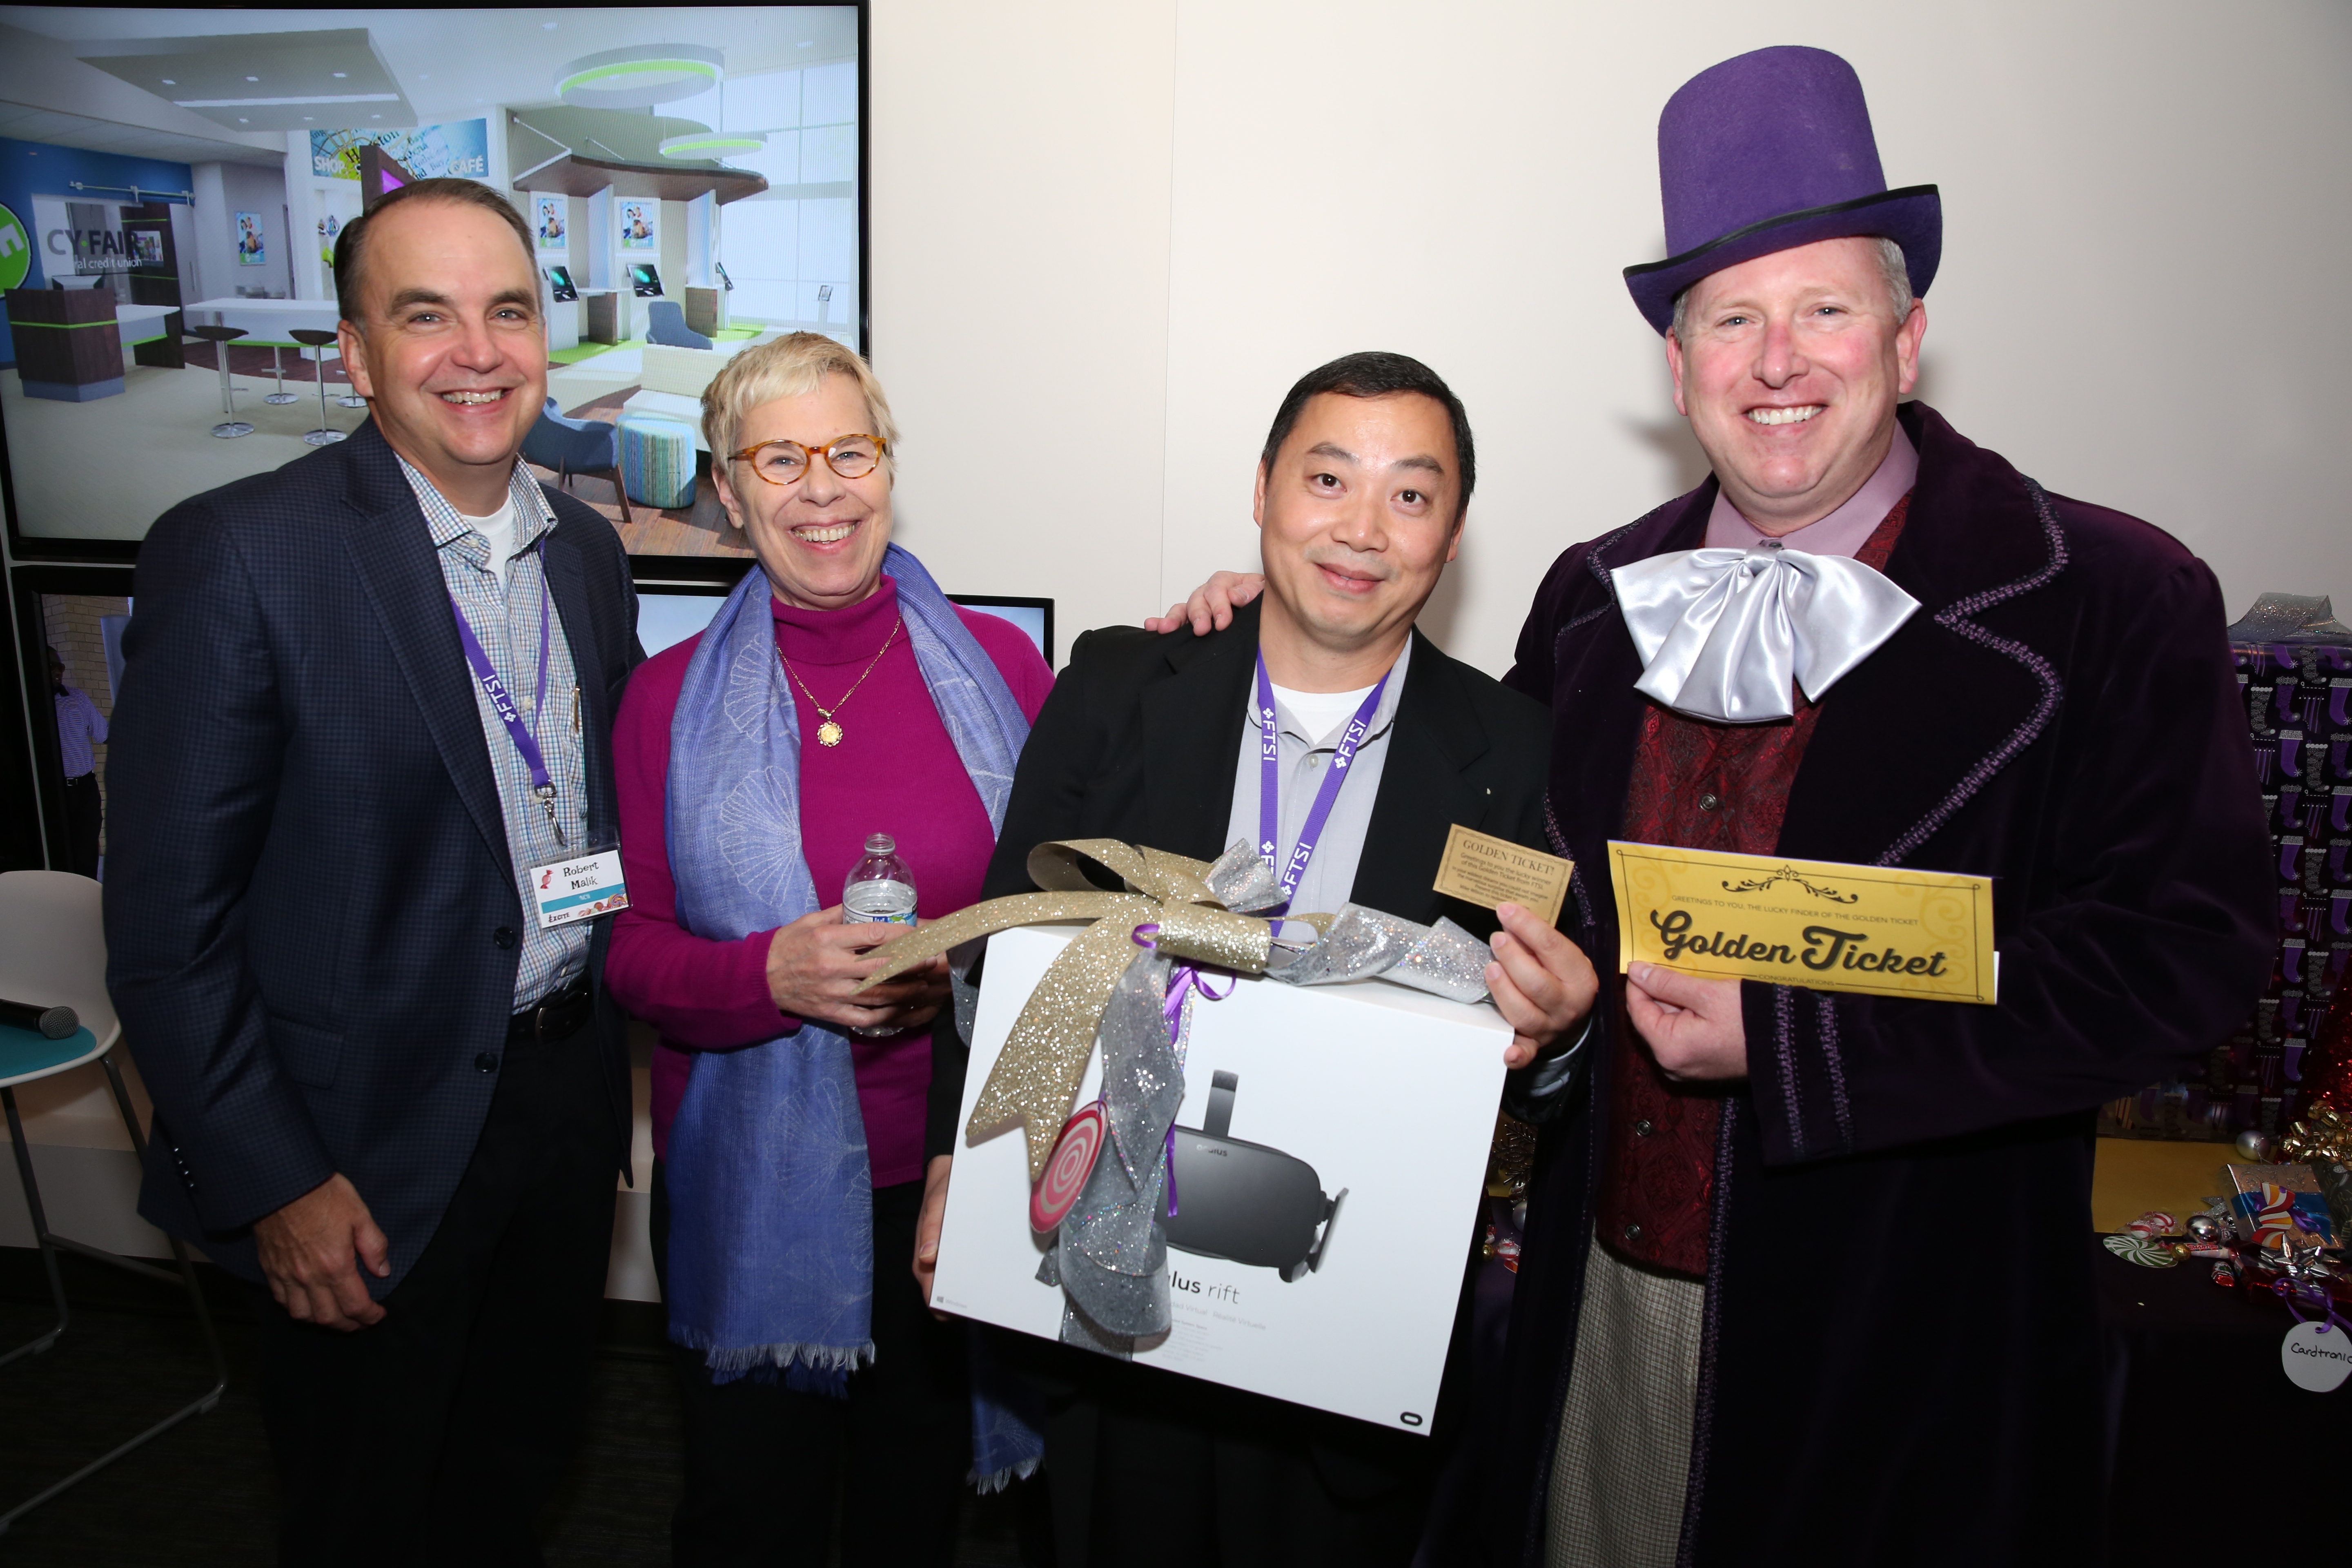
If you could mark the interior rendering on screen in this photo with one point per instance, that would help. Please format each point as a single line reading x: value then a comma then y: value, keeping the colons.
x: 170, y: 301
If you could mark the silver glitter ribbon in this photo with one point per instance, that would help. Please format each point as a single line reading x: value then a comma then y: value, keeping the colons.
x: 1111, y: 1256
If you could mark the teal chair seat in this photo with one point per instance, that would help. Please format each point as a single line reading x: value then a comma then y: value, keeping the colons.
x: 657, y: 461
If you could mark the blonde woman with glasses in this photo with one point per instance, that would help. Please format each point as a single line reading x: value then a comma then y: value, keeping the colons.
x: 836, y: 694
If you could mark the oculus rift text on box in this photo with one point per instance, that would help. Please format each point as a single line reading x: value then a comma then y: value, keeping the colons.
x: 1244, y: 1202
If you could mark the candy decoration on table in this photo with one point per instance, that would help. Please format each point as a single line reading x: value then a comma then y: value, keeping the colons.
x: 1072, y: 1161
x: 1511, y: 1161
x: 1500, y: 1243
x: 2274, y: 1214
x: 2314, y: 1354
x: 2225, y: 1274
x: 2151, y: 1225
x: 2140, y: 1250
x: 2323, y: 1138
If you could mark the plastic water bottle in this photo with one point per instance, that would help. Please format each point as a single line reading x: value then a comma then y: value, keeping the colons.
x: 880, y: 887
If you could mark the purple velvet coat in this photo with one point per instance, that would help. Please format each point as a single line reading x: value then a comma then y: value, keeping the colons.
x: 1899, y: 1359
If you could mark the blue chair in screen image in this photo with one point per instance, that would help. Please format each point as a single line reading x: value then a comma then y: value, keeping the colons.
x: 581, y: 445
x: 665, y: 325
x: 53, y: 956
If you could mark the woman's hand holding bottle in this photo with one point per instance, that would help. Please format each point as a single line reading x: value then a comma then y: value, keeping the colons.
x: 816, y: 962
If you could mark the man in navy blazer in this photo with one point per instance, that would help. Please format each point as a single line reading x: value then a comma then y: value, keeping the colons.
x: 383, y: 1089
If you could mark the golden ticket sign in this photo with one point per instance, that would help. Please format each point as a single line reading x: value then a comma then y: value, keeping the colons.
x: 1879, y: 930
x: 1481, y: 869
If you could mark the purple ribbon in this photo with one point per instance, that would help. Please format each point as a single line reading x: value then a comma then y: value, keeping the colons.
x: 2291, y: 1290
x: 1269, y: 788
x: 1186, y: 978
x: 526, y: 744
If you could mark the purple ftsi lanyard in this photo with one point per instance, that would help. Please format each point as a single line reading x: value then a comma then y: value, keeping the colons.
x: 1269, y: 787
x: 526, y: 744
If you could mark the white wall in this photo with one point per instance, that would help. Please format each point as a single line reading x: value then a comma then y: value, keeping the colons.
x: 224, y: 190
x: 1018, y: 222
x: 214, y: 255
x: 1117, y: 234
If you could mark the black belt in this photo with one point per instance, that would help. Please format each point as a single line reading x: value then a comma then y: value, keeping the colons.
x: 557, y: 1016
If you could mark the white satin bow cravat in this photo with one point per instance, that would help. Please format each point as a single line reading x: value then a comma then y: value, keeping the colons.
x: 1723, y: 634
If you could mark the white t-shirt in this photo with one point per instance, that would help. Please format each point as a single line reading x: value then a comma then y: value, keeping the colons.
x: 498, y: 528
x: 1320, y: 713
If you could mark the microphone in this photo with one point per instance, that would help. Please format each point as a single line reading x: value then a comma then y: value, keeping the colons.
x: 55, y: 1023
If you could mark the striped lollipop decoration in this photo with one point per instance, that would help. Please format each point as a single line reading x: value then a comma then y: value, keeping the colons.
x: 1067, y: 1167
x: 2140, y: 1250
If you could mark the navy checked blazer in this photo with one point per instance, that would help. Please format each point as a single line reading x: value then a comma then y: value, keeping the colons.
x: 312, y: 927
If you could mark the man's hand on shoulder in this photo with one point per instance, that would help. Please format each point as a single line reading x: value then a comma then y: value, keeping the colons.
x: 1693, y: 1026
x: 1542, y: 984
x: 1212, y: 605
x: 310, y: 1252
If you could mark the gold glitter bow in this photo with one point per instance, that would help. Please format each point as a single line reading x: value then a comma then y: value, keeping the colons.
x: 1036, y: 1078
x: 2323, y: 1138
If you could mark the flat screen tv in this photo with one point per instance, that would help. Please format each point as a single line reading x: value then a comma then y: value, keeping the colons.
x: 360, y: 100
x: 670, y: 612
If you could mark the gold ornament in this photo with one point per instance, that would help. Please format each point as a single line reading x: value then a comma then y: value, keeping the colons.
x: 2323, y: 1138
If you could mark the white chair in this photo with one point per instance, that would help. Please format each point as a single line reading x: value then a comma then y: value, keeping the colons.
x: 53, y: 952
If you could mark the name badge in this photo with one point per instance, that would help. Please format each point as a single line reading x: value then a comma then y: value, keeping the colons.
x: 1880, y: 930
x: 578, y: 888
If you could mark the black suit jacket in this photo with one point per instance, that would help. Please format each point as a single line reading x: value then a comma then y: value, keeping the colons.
x: 1140, y: 738
x: 1139, y: 741
x: 312, y: 923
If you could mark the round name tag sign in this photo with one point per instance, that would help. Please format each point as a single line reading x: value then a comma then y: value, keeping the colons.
x: 2316, y: 1356
x: 1067, y: 1168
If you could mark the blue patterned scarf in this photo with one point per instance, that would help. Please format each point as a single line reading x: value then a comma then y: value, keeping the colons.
x: 772, y: 1245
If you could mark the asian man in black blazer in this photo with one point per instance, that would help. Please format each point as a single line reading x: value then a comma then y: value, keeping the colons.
x: 1362, y: 490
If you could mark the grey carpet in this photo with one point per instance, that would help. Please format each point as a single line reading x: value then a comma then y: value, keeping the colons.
x: 204, y: 1493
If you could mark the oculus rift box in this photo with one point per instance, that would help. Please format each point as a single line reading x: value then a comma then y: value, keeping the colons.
x: 1330, y: 1160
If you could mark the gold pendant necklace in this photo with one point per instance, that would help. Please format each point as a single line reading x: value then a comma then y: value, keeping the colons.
x: 829, y: 732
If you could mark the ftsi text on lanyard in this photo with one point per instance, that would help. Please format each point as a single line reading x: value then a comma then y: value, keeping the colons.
x: 526, y: 744
x: 1269, y: 788
x: 591, y: 883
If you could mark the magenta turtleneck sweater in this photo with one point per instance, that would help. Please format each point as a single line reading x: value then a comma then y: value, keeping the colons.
x: 895, y: 771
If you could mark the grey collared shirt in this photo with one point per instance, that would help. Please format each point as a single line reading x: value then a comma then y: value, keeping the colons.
x: 506, y: 617
x: 1301, y: 765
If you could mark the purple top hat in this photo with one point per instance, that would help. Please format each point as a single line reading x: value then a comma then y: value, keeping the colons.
x: 1767, y: 152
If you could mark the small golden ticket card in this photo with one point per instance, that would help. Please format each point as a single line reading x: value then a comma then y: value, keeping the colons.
x: 1486, y: 871
x: 1879, y: 930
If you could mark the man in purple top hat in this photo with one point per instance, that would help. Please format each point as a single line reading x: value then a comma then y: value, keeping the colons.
x: 1840, y: 1307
